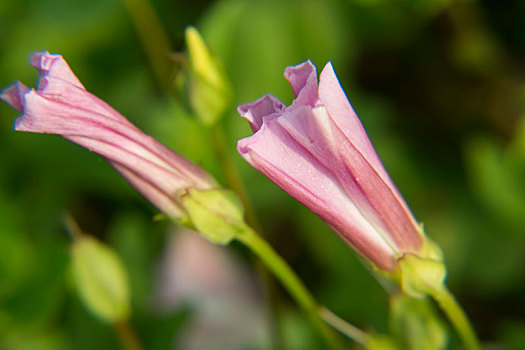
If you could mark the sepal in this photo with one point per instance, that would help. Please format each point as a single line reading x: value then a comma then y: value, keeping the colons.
x: 420, y: 276
x: 217, y: 214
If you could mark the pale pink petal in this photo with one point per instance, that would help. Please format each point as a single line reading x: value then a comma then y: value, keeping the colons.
x: 318, y: 151
x: 62, y: 106
x: 320, y: 136
x: 155, y: 196
x: 119, y: 142
x: 303, y: 80
x: 333, y: 97
x: 53, y: 67
x: 275, y: 153
x: 314, y: 131
x: 263, y: 107
x: 60, y: 83
x: 14, y: 95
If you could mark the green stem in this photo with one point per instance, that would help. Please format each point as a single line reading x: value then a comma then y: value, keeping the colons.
x: 290, y: 281
x: 153, y: 38
x: 344, y: 327
x: 232, y: 175
x: 127, y: 336
x: 72, y: 226
x: 235, y: 183
x: 458, y: 318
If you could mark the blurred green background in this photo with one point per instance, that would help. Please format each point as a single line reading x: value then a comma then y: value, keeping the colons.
x: 439, y: 86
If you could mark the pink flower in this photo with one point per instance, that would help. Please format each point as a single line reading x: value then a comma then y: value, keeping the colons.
x: 61, y: 105
x: 317, y: 151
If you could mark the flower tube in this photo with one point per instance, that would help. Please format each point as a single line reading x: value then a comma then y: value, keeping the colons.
x: 317, y: 150
x: 61, y: 105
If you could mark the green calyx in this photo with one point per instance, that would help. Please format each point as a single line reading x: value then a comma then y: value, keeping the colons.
x: 217, y: 214
x: 420, y: 277
x: 416, y: 273
x: 423, y: 273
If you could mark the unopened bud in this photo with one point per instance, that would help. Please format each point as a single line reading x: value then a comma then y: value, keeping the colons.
x: 208, y: 88
x: 101, y: 279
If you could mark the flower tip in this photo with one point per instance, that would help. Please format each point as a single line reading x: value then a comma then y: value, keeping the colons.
x: 51, y: 66
x: 245, y: 111
x: 307, y: 66
x: 242, y: 148
x: 256, y: 111
x: 304, y: 83
x: 200, y: 58
x: 191, y: 33
x: 43, y: 60
x: 299, y: 75
x: 328, y: 72
x: 13, y: 95
x: 20, y: 124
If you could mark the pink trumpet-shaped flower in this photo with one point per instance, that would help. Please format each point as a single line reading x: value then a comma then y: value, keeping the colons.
x: 318, y: 151
x: 61, y: 105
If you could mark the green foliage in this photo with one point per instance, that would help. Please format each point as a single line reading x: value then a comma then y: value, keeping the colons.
x: 497, y: 177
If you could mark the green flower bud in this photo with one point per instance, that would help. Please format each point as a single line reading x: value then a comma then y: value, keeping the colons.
x: 101, y: 279
x: 208, y: 88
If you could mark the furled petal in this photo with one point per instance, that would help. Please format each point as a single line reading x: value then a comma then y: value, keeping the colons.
x: 62, y: 106
x: 320, y: 136
x: 156, y: 196
x: 13, y: 95
x: 263, y: 107
x: 389, y: 201
x: 55, y: 72
x: 303, y: 80
x: 58, y: 82
x: 315, y: 132
x: 333, y: 97
x: 278, y: 155
x: 318, y: 151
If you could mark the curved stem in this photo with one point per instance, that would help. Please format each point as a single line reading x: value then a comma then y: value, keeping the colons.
x: 235, y: 183
x: 458, y: 318
x: 290, y: 281
x: 344, y: 327
x: 153, y: 38
x: 232, y: 175
x: 127, y: 335
x: 71, y: 226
